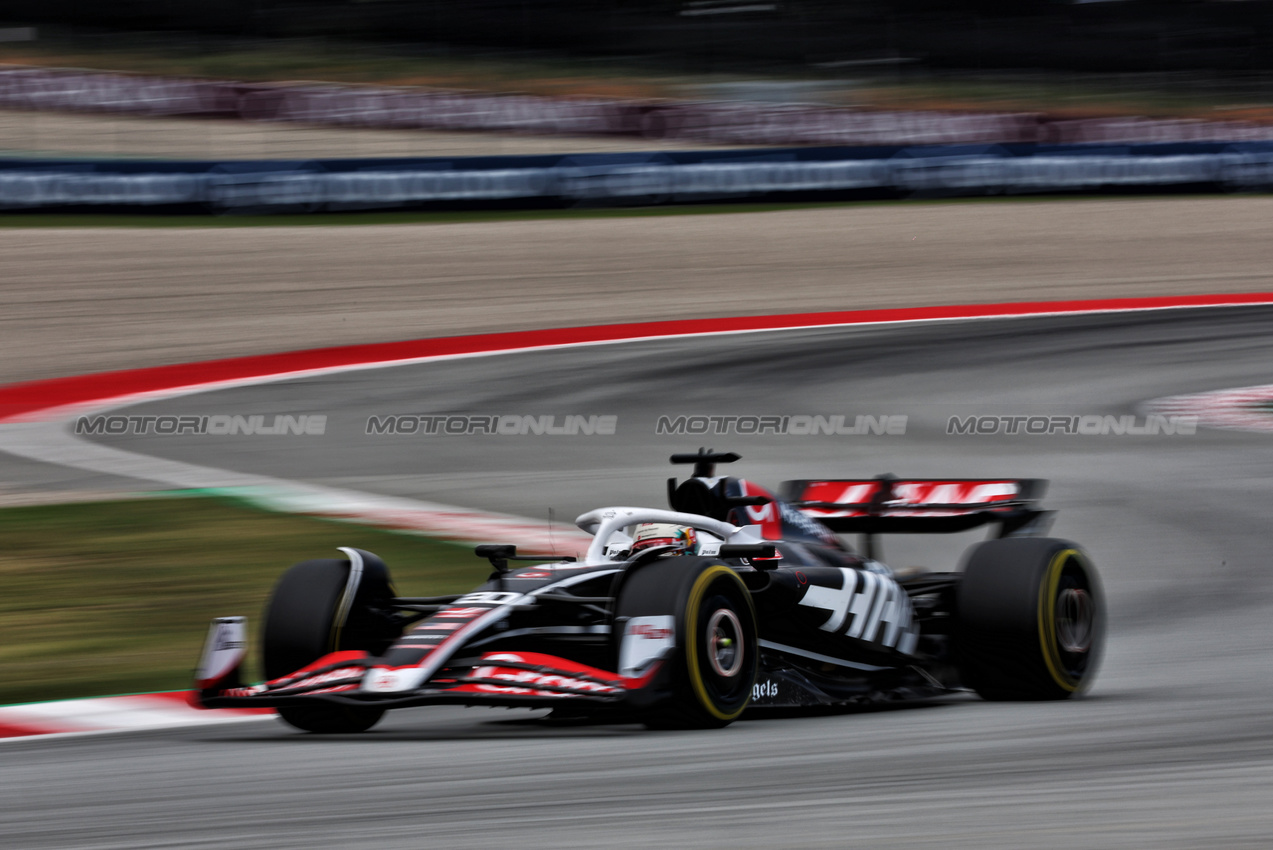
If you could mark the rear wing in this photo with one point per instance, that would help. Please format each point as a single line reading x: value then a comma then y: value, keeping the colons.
x: 888, y: 505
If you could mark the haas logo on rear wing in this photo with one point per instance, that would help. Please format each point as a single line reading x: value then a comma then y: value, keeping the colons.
x: 917, y: 506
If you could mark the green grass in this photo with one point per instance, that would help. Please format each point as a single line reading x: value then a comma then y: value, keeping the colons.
x: 115, y: 597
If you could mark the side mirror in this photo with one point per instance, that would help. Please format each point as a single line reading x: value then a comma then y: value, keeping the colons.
x: 499, y: 554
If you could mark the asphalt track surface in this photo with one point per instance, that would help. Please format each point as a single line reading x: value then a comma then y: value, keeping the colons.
x: 1172, y: 748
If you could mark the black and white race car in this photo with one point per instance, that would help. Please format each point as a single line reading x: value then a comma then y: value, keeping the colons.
x: 733, y: 599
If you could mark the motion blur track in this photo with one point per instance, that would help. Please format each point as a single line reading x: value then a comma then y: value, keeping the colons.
x: 1173, y: 747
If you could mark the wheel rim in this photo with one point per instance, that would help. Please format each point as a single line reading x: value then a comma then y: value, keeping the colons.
x: 1069, y: 620
x: 1075, y: 619
x: 720, y: 649
x: 725, y: 649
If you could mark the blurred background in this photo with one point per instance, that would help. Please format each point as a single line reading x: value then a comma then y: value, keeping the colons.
x: 881, y: 152
x: 1046, y: 61
x: 1150, y: 36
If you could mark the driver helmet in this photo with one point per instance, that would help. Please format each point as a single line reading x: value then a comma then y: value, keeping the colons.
x: 649, y: 534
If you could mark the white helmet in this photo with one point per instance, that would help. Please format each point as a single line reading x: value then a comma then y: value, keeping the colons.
x: 649, y: 534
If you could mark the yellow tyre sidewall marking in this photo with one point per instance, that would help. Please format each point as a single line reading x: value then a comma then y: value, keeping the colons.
x: 1047, y: 619
x: 701, y: 584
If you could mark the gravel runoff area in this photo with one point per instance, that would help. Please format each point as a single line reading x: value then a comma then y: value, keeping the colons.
x: 83, y: 300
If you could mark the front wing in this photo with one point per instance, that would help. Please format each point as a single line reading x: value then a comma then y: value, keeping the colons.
x: 491, y: 678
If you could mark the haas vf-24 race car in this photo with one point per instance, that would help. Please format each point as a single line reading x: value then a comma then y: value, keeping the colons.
x: 734, y: 598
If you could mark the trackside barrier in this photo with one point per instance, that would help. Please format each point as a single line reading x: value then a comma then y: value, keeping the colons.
x: 632, y: 179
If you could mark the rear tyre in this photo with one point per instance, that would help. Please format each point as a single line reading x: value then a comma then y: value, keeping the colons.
x: 707, y: 680
x: 1030, y: 620
x: 302, y: 625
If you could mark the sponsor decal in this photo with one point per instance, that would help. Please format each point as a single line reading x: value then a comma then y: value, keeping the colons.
x: 650, y: 632
x: 802, y: 523
x: 911, y: 492
x: 537, y: 674
x: 243, y: 692
x: 767, y: 689
x: 538, y: 680
x: 465, y: 613
x: 766, y: 515
x: 863, y: 498
x: 645, y: 641
x: 224, y: 650
x: 342, y: 674
x: 772, y: 515
x: 227, y: 639
x: 381, y: 679
x: 512, y: 690
x: 488, y: 597
x: 878, y: 611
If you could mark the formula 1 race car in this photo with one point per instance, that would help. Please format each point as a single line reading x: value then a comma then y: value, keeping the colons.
x: 734, y: 598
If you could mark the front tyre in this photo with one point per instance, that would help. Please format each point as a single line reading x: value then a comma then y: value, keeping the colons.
x: 303, y: 623
x: 708, y: 677
x: 330, y: 719
x: 1030, y: 620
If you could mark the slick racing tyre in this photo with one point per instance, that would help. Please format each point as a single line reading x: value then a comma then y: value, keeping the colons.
x: 303, y: 622
x: 706, y: 679
x: 1030, y: 620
